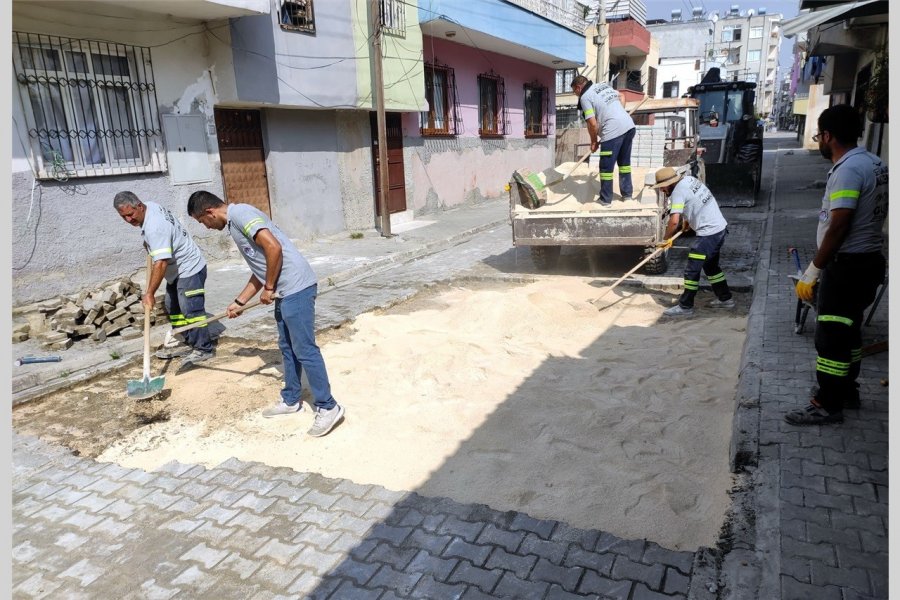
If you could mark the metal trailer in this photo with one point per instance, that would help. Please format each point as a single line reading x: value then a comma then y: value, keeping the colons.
x: 545, y: 230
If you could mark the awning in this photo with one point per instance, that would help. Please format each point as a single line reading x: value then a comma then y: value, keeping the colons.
x: 807, y: 21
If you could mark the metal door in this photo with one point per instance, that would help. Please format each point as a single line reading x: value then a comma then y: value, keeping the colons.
x: 243, y: 159
x: 396, y: 178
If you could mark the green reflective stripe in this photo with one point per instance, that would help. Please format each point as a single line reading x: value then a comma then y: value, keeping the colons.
x: 624, y: 169
x: 678, y: 207
x: 588, y: 113
x: 160, y: 251
x: 697, y: 256
x: 174, y: 316
x: 856, y: 355
x: 606, y: 176
x: 196, y: 320
x: 691, y: 285
x: 190, y: 293
x: 830, y: 371
x: 832, y: 367
x: 177, y: 322
x: 606, y: 153
x: 835, y: 319
x: 716, y: 278
x: 251, y: 224
x: 843, y: 194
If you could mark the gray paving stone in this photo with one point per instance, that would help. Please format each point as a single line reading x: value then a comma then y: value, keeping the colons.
x: 380, y: 494
x: 398, y: 558
x: 601, y: 563
x: 492, y: 535
x: 459, y: 548
x: 84, y: 571
x: 224, y: 496
x: 633, y: 549
x: 239, y: 565
x: 434, y: 566
x: 675, y: 582
x: 350, y: 523
x: 83, y: 520
x: 350, y: 591
x: 642, y: 592
x: 472, y: 575
x: 431, y: 542
x: 359, y: 572
x: 352, y: 505
x: 281, y: 553
x: 208, y: 557
x: 36, y: 586
x: 362, y: 550
x: 181, y: 525
x: 511, y: 586
x: 380, y: 512
x: 398, y: 581
x: 681, y: 560
x: 459, y: 528
x: 219, y: 514
x: 319, y: 499
x: 593, y: 583
x: 318, y: 537
x: 791, y: 588
x: 625, y: 568
x: 249, y: 521
x: 565, y: 577
x: 551, y: 551
x: 541, y: 528
x: 520, y: 565
x: 394, y: 535
x: 428, y: 587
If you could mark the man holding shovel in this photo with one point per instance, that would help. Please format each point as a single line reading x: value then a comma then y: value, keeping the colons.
x: 693, y: 205
x: 608, y: 119
x: 277, y: 266
x: 177, y: 259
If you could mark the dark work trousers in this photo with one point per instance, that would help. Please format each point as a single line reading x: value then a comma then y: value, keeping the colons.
x: 704, y: 255
x: 186, y: 305
x: 612, y: 152
x: 847, y: 286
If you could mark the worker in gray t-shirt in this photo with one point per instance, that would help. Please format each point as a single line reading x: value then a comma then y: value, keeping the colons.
x: 692, y: 205
x: 177, y: 259
x: 607, y: 119
x: 285, y: 278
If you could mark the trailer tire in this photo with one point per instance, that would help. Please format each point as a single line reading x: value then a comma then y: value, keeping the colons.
x: 545, y: 258
x: 657, y: 265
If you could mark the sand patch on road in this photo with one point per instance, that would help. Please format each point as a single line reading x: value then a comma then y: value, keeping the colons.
x: 523, y: 398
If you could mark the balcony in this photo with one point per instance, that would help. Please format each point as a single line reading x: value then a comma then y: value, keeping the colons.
x: 554, y: 13
x: 628, y: 38
x: 204, y: 10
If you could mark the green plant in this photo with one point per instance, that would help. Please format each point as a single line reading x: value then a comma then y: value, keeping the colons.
x: 65, y: 373
x: 877, y: 90
x: 115, y: 355
x: 356, y: 235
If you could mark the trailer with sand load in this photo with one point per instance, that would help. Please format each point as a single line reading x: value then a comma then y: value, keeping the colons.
x: 566, y: 212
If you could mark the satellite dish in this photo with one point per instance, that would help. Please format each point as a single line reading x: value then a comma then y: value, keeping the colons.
x: 750, y: 12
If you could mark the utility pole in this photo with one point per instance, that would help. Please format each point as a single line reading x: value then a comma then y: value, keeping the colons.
x: 601, y: 41
x: 378, y: 94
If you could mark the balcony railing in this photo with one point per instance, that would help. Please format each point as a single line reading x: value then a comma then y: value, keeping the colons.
x: 554, y: 13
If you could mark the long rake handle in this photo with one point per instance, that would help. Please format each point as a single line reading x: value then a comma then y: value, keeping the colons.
x: 147, y: 323
x: 221, y: 315
x: 636, y: 267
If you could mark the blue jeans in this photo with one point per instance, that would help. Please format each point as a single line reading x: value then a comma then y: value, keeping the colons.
x: 616, y: 150
x: 704, y: 255
x: 296, y: 319
x: 186, y: 304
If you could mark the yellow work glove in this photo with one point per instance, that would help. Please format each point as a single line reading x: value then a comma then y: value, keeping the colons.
x: 807, y: 283
x: 665, y: 244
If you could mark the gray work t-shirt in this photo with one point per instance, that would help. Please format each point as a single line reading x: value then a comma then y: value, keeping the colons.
x: 165, y: 237
x: 602, y: 102
x: 244, y: 221
x: 858, y: 181
x: 694, y: 200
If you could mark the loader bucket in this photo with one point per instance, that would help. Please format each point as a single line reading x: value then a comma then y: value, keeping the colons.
x: 734, y: 185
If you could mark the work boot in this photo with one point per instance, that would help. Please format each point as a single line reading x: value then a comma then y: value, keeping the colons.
x: 194, y: 358
x: 722, y: 303
x: 603, y: 202
x: 283, y: 409
x: 678, y: 311
x: 853, y: 402
x: 326, y: 420
x: 813, y: 415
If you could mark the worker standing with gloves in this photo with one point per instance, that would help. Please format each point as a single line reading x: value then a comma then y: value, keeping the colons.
x: 848, y: 264
x: 693, y: 205
x: 612, y: 132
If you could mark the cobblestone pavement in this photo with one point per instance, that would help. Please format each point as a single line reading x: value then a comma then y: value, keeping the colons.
x: 809, y: 519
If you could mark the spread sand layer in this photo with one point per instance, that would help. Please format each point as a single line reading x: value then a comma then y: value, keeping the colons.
x: 521, y: 397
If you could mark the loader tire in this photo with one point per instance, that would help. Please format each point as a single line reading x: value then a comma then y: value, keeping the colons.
x: 657, y: 265
x: 545, y: 258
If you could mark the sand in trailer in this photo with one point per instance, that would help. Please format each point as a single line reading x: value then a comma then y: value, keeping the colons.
x: 524, y: 398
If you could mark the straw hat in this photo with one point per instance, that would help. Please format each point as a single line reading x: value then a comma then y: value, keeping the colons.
x: 667, y: 176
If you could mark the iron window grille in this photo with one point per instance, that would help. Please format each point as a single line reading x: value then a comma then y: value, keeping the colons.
x: 90, y: 107
x: 442, y: 116
x: 492, y: 109
x: 564, y: 79
x: 297, y: 15
x: 393, y: 17
x: 537, y: 110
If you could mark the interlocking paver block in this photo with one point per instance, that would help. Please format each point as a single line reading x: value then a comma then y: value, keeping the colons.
x: 260, y: 487
x: 151, y: 591
x: 459, y: 548
x: 791, y: 588
x: 182, y: 525
x: 317, y: 498
x: 36, y: 587
x: 601, y: 563
x: 360, y: 572
x: 511, y: 586
x: 84, y: 571
x: 642, y: 592
x: 380, y: 512
x: 104, y: 486
x: 25, y: 552
x: 213, y: 533
x: 520, y: 565
x: 817, y: 500
x: 279, y: 552
x: 249, y: 521
x: 855, y: 578
x: 552, y: 551
x: 429, y: 588
x: 315, y: 560
x: 307, y: 583
x: 224, y: 496
x: 592, y: 583
x: 111, y: 527
x: 431, y: 542
x: 349, y: 488
x: 161, y: 500
x: 683, y: 561
x: 276, y: 576
x: 83, y: 520
x: 317, y: 536
x: 542, y: 528
x: 376, y: 492
x: 70, y: 541
x: 469, y: 574
x: 202, y: 553
x: 196, y: 579
x: 241, y: 566
x: 219, y: 514
x: 362, y: 550
x: 43, y: 489
x: 511, y: 540
x: 196, y: 490
x: 675, y: 582
x: 566, y: 577
x: 394, y: 535
x: 427, y: 564
x: 464, y: 529
x: 173, y: 467
x: 388, y: 554
x: 633, y: 549
x: 398, y: 581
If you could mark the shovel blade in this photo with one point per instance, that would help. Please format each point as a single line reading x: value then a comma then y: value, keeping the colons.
x: 141, y: 389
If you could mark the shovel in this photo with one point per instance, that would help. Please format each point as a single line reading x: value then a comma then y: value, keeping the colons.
x: 535, y: 187
x: 221, y: 315
x: 147, y: 387
x: 636, y: 267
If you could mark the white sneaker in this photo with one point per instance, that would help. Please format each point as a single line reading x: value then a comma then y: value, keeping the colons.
x: 722, y: 303
x: 678, y: 311
x: 283, y: 409
x: 326, y: 420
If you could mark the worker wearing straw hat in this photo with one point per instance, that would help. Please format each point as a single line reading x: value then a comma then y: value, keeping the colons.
x: 691, y: 204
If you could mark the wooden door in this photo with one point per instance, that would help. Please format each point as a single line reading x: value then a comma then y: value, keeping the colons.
x: 243, y: 158
x: 396, y: 178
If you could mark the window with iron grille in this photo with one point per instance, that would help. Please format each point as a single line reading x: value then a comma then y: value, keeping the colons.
x: 568, y: 117
x: 564, y: 79
x: 491, y: 105
x: 651, y: 82
x: 537, y: 111
x: 90, y: 107
x: 393, y: 17
x: 442, y: 116
x: 297, y: 15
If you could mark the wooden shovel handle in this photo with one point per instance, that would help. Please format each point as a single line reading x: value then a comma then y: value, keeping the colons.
x: 636, y: 267
x: 147, y: 322
x: 221, y: 315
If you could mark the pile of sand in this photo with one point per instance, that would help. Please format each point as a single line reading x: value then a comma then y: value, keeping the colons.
x: 525, y: 398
